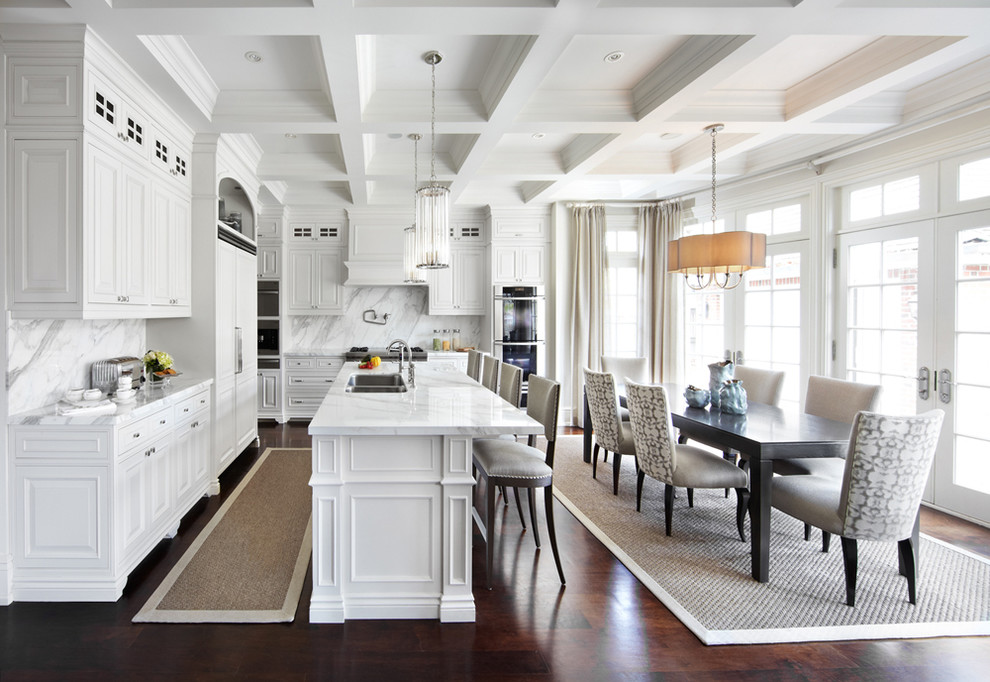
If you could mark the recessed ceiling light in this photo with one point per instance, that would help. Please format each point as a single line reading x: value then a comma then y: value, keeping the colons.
x: 539, y: 136
x: 290, y: 136
x: 670, y: 136
x: 395, y: 136
x: 613, y: 57
x: 252, y: 57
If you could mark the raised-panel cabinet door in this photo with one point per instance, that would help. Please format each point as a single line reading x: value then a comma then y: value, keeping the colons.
x: 182, y: 455
x: 469, y: 275
x: 247, y: 410
x: 531, y: 259
x: 180, y: 253
x: 106, y: 250
x: 134, y: 233
x: 269, y: 262
x: 132, y: 516
x: 329, y: 280
x: 246, y: 320
x: 161, y: 207
x: 44, y: 221
x: 226, y: 312
x: 441, y: 283
x: 224, y: 428
x: 161, y: 491
x: 202, y: 447
x: 269, y: 395
x: 504, y: 260
x: 302, y: 271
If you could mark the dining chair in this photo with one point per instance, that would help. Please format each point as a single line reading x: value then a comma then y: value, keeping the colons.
x: 838, y: 400
x: 513, y: 464
x: 762, y: 385
x: 879, y: 494
x: 474, y: 363
x: 673, y: 464
x: 489, y: 372
x: 637, y: 369
x: 611, y: 433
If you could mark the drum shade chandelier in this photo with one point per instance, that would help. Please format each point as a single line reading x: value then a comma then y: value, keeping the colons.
x: 720, y: 258
x: 409, y: 261
x: 432, y: 200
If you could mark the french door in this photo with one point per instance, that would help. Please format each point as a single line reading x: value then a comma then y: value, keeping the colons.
x: 914, y: 316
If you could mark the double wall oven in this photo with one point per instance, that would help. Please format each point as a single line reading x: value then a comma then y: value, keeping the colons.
x: 519, y: 329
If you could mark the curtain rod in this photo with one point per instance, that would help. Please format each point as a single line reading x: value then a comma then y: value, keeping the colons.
x: 687, y: 202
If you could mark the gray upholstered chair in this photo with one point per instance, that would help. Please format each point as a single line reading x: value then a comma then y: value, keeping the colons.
x: 878, y: 495
x: 489, y: 372
x: 510, y: 384
x: 674, y: 465
x: 511, y: 464
x: 474, y: 364
x: 611, y: 433
x: 838, y: 400
x: 762, y: 385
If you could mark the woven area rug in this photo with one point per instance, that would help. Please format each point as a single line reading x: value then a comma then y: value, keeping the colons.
x: 702, y: 572
x: 249, y: 563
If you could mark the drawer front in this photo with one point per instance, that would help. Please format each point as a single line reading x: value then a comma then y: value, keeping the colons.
x: 135, y: 435
x: 304, y: 402
x: 300, y: 363
x: 160, y: 422
x: 50, y: 446
x: 310, y: 381
x: 192, y: 406
x: 329, y: 363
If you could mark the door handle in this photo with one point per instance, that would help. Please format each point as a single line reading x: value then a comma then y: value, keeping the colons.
x: 924, y: 376
x: 945, y: 385
x: 238, y: 349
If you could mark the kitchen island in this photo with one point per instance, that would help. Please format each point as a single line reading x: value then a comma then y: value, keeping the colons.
x: 392, y: 494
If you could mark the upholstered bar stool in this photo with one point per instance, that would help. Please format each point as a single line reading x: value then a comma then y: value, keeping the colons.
x: 474, y: 364
x: 489, y: 372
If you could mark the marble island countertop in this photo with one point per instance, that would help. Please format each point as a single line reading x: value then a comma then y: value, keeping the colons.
x: 444, y: 402
x: 147, y: 400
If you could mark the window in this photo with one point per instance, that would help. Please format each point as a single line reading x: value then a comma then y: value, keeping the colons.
x: 774, y: 221
x: 622, y: 328
x: 704, y: 319
x: 974, y: 180
x: 897, y: 196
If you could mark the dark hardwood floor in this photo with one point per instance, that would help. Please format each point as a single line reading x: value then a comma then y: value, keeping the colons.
x: 604, y: 625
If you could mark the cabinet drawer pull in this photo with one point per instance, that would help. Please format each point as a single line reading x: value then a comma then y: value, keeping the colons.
x: 163, y: 422
x: 136, y: 434
x: 185, y: 409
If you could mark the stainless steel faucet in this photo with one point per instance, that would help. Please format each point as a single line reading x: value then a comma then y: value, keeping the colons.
x: 402, y: 344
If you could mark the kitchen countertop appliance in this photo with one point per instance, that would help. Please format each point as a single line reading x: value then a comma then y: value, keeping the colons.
x: 104, y: 373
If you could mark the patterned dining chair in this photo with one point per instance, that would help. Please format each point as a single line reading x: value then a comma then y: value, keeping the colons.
x: 879, y: 493
x: 611, y: 433
x: 673, y: 464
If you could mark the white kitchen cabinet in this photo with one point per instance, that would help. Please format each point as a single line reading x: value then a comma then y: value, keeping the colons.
x: 270, y: 393
x: 269, y: 228
x: 318, y: 232
x: 455, y: 361
x: 459, y: 289
x: 168, y: 255
x: 518, y: 264
x: 269, y: 262
x: 93, y: 499
x: 516, y: 225
x: 307, y: 380
x: 315, y: 278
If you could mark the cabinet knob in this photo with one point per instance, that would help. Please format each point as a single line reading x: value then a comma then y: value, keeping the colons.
x: 137, y: 434
x: 162, y: 422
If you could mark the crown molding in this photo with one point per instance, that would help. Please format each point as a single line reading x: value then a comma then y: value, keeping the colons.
x: 181, y: 63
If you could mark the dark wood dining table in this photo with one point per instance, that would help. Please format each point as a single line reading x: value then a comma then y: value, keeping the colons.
x: 762, y: 435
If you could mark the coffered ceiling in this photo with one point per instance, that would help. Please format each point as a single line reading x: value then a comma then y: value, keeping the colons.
x: 540, y: 100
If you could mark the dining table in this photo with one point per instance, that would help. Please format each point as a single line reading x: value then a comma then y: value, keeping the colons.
x: 763, y: 434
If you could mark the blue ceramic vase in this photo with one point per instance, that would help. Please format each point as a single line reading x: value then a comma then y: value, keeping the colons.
x: 732, y: 397
x: 696, y: 397
x: 720, y: 373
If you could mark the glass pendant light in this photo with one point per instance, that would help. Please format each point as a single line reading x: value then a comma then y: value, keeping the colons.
x: 432, y: 201
x: 721, y: 258
x: 412, y: 273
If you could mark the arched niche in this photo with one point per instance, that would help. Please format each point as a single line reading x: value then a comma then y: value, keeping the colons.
x: 234, y: 200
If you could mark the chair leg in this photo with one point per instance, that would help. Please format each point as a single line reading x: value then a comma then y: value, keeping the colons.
x: 691, y: 497
x: 826, y: 540
x: 548, y: 501
x: 515, y: 491
x: 594, y: 461
x: 505, y: 495
x: 742, y: 502
x: 668, y: 506
x: 905, y: 549
x: 807, y: 532
x: 639, y: 489
x: 532, y: 514
x: 616, y: 464
x: 489, y: 531
x: 731, y: 456
x: 850, y: 556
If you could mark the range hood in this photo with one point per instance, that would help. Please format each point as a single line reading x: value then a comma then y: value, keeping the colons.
x: 374, y: 248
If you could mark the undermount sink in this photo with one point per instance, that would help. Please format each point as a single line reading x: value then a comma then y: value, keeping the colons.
x: 375, y: 383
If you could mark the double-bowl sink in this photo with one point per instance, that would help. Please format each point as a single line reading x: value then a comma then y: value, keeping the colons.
x: 376, y: 383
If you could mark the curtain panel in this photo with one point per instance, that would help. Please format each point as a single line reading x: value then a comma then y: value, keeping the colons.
x: 659, y: 293
x: 590, y: 296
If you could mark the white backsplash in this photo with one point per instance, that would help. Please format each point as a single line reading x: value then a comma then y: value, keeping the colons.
x: 407, y: 320
x: 47, y: 357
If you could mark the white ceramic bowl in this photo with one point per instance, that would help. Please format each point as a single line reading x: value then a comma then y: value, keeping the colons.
x: 124, y: 382
x: 75, y: 393
x: 125, y: 393
x: 93, y: 394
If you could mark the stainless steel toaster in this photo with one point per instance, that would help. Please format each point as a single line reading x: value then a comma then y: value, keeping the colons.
x: 105, y: 373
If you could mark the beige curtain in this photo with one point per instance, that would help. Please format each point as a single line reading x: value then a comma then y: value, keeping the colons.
x: 588, y: 314
x: 659, y: 295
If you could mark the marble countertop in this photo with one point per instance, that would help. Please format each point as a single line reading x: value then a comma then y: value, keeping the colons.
x: 147, y: 400
x: 315, y: 352
x: 444, y: 402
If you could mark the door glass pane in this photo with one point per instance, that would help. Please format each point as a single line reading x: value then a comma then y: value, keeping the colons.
x: 864, y: 306
x: 864, y: 349
x: 900, y: 307
x: 972, y: 468
x: 972, y: 355
x: 864, y: 264
x: 899, y: 353
x: 703, y: 333
x: 787, y: 308
x: 900, y: 260
x: 758, y: 344
x: 971, y: 411
x: 758, y: 308
x: 898, y: 395
x: 786, y: 345
x: 772, y: 319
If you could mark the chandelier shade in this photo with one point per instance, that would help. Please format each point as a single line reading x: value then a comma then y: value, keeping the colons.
x: 433, y: 200
x: 410, y: 255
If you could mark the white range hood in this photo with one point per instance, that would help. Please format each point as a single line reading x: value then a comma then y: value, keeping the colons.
x: 374, y: 248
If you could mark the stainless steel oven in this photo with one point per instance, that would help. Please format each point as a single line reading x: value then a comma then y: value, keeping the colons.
x: 519, y: 329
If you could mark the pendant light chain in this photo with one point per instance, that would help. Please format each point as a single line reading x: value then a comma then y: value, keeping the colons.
x: 714, y: 130
x: 433, y: 122
x: 415, y: 138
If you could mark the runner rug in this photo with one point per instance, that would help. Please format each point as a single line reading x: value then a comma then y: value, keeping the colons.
x: 702, y: 572
x: 249, y: 562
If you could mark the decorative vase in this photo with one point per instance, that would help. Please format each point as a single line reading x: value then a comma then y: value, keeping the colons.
x: 696, y: 397
x: 732, y: 397
x: 720, y: 373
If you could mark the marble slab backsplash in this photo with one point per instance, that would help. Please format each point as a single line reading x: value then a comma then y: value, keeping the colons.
x: 407, y: 320
x: 47, y: 357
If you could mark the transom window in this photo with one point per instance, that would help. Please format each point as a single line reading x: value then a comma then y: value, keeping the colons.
x: 774, y: 221
x: 889, y: 198
x: 974, y: 180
